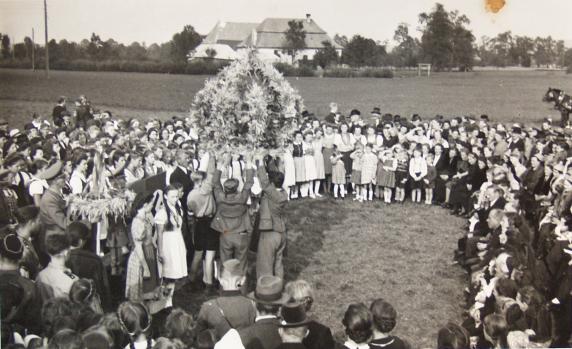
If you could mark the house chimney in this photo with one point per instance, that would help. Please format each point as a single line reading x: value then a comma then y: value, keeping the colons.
x: 308, y: 18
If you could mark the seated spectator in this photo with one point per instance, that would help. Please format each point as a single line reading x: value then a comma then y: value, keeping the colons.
x: 495, y: 330
x: 56, y: 279
x: 135, y: 320
x: 180, y: 326
x: 57, y: 314
x: 319, y: 336
x: 452, y: 336
x: 384, y: 321
x: 358, y: 324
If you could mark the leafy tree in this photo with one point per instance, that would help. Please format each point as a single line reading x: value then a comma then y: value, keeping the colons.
x: 20, y: 51
x: 523, y: 49
x: 568, y: 58
x: 463, y: 49
x: 341, y: 40
x: 326, y: 56
x: 295, y: 38
x: 94, y: 47
x: 136, y: 52
x: 5, y: 46
x: 406, y: 52
x: 29, y: 46
x: 183, y: 43
x: 362, y: 51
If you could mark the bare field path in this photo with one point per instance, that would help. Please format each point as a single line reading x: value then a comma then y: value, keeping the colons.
x: 503, y: 95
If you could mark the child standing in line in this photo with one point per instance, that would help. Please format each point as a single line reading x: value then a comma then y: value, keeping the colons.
x: 429, y: 180
x: 338, y: 173
x: 299, y: 164
x: 417, y: 171
x: 386, y: 174
x: 289, y: 169
x: 309, y: 164
x: 356, y: 157
x: 400, y: 172
x: 368, y: 172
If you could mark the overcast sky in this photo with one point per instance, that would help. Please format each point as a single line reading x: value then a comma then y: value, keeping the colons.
x: 155, y: 21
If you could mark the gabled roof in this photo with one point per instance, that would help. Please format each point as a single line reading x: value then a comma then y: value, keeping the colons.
x: 222, y: 51
x: 230, y: 33
x: 271, y: 34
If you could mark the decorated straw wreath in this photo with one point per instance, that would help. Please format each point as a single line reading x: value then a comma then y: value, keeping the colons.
x: 247, y: 105
x: 98, y: 200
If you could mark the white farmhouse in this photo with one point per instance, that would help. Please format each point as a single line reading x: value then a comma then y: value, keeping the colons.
x: 268, y: 38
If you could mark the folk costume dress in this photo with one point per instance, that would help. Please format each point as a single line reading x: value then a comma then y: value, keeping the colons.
x: 309, y: 162
x: 173, y: 248
x: 338, y: 170
x: 299, y: 163
x: 319, y: 159
x: 289, y: 169
x: 386, y: 172
x: 142, y: 267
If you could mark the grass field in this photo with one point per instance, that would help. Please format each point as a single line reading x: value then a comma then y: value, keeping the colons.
x: 353, y: 252
x: 505, y: 96
x: 350, y: 252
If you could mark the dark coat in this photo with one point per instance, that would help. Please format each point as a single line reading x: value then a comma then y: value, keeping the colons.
x: 232, y: 212
x: 88, y: 265
x: 319, y: 336
x: 272, y: 204
x: 263, y: 334
x: 231, y: 310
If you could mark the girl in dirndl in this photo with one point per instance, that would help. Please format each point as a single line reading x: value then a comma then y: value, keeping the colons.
x: 368, y: 172
x: 356, y: 157
x: 319, y: 161
x: 338, y: 173
x: 309, y: 165
x: 328, y: 143
x: 386, y: 168
x: 170, y: 242
x: 400, y: 172
x: 289, y: 169
x: 299, y: 163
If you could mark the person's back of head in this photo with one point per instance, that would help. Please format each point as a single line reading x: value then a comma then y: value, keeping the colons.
x: 205, y: 340
x: 78, y: 233
x: 66, y: 339
x: 384, y: 316
x: 135, y: 319
x: 301, y: 291
x: 453, y: 336
x: 180, y: 325
x: 167, y: 343
x: 57, y: 313
x: 276, y: 178
x: 56, y: 244
x: 496, y: 329
x: 97, y: 338
x: 358, y: 323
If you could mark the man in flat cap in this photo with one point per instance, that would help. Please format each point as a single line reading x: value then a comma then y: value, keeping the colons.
x: 231, y: 309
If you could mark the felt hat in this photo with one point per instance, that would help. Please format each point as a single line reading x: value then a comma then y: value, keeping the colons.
x: 355, y: 112
x: 376, y: 111
x: 293, y: 315
x: 269, y: 290
x: 11, y: 247
x: 231, y: 268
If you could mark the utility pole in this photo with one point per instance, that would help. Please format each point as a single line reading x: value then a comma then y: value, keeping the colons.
x: 33, y: 52
x: 46, y: 39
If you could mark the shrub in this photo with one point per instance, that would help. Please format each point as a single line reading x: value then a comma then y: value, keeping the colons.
x: 370, y: 72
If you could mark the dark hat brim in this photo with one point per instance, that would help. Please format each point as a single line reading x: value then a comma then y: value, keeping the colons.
x: 282, y: 300
x: 285, y: 324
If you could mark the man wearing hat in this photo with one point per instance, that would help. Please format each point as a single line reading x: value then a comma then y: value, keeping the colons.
x: 263, y: 334
x: 231, y: 309
x: 27, y: 300
x: 231, y: 219
x: 294, y: 326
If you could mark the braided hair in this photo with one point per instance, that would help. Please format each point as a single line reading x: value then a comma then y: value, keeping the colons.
x: 169, y: 225
x: 135, y: 319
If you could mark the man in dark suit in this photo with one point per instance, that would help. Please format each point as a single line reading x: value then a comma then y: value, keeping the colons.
x: 294, y: 326
x: 263, y: 334
x: 319, y: 336
x: 181, y: 175
x: 59, y: 112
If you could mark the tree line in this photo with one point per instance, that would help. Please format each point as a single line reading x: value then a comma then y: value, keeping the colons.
x: 445, y: 41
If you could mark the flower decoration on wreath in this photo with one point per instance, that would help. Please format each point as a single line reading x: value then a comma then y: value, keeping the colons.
x: 248, y: 105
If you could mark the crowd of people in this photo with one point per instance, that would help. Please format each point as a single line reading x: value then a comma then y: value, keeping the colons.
x: 68, y: 281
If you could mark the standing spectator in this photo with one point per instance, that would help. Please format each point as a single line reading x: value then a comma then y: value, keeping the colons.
x: 59, y: 111
x: 231, y: 218
x: 272, y: 226
x: 85, y: 263
x: 319, y: 336
x: 231, y: 309
x: 358, y: 323
x: 56, y: 279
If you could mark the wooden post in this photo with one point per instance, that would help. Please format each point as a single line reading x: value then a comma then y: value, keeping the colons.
x: 46, y: 39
